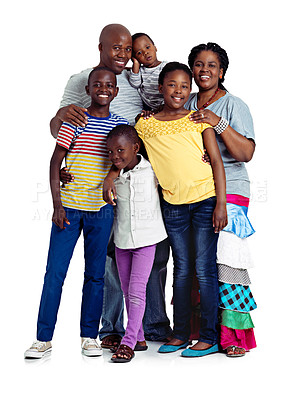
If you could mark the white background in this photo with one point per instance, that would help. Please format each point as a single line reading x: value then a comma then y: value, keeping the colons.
x: 42, y: 45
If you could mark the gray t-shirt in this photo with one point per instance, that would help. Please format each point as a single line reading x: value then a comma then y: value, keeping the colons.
x: 146, y: 81
x: 128, y: 103
x: 238, y: 115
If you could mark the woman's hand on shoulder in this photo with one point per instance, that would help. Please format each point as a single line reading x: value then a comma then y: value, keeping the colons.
x: 205, y: 116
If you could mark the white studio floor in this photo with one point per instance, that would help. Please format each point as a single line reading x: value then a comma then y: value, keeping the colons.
x: 67, y: 373
x: 267, y: 371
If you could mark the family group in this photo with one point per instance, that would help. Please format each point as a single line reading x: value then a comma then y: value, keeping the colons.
x: 151, y: 167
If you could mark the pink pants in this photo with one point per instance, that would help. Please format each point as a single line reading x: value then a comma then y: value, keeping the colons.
x: 134, y: 266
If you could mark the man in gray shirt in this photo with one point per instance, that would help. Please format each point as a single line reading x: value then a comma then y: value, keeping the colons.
x: 115, y: 48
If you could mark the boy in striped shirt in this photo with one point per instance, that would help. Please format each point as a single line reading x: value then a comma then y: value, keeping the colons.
x: 79, y: 206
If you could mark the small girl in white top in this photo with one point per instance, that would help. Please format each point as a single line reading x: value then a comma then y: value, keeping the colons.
x: 138, y: 227
x: 145, y: 70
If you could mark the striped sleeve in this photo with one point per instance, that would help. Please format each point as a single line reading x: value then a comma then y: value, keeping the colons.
x: 74, y: 92
x: 135, y: 80
x: 65, y: 135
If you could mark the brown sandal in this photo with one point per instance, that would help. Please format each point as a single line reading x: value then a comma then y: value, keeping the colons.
x: 236, y: 351
x: 138, y: 347
x: 115, y: 341
x: 123, y: 354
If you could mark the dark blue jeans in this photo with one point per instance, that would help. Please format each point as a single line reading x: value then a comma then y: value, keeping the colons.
x: 96, y: 227
x: 194, y: 246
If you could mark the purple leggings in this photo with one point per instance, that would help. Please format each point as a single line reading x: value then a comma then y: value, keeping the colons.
x: 134, y: 266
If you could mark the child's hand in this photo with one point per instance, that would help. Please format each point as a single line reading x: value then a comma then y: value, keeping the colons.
x: 205, y: 157
x: 219, y: 217
x: 109, y: 191
x: 146, y: 114
x: 135, y: 65
x: 65, y: 176
x: 59, y: 217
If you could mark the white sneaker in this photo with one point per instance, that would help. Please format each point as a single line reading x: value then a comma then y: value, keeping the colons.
x: 90, y: 347
x: 38, y: 349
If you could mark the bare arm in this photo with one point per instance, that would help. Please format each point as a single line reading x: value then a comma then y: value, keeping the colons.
x: 109, y: 189
x: 239, y: 147
x: 220, y: 213
x: 72, y: 114
x: 59, y: 215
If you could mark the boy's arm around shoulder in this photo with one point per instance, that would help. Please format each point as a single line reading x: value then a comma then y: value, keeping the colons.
x: 109, y: 188
x: 220, y: 213
x: 59, y: 214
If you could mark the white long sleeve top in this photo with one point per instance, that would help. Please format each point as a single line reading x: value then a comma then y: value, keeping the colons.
x: 138, y: 219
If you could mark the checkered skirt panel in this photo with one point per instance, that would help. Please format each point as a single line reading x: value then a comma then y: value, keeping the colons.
x: 236, y: 297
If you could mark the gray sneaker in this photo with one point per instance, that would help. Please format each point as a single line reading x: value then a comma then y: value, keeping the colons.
x: 90, y: 347
x: 38, y: 349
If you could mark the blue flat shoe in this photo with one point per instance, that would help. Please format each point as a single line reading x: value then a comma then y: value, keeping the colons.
x: 168, y: 348
x: 200, y: 353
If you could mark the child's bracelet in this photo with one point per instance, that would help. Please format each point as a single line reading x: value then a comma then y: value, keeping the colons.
x: 221, y: 126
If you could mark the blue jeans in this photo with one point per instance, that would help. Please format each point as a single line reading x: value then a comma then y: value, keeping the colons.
x: 96, y: 227
x: 113, y: 307
x: 194, y: 246
x: 155, y: 322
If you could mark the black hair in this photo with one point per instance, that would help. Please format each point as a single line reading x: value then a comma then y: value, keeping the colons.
x: 214, y: 47
x: 124, y: 130
x: 101, y: 69
x: 174, y: 66
x: 138, y: 35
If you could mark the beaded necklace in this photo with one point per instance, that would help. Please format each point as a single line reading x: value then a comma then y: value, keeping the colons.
x: 207, y: 103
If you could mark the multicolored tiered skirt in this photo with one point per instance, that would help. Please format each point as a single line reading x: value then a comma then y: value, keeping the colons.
x: 234, y: 260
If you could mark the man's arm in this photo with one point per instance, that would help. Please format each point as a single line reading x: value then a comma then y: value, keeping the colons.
x: 72, y: 114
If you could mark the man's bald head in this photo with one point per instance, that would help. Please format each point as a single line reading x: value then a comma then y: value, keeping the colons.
x: 110, y: 29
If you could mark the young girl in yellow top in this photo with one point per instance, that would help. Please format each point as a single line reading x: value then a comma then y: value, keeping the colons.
x: 194, y: 205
